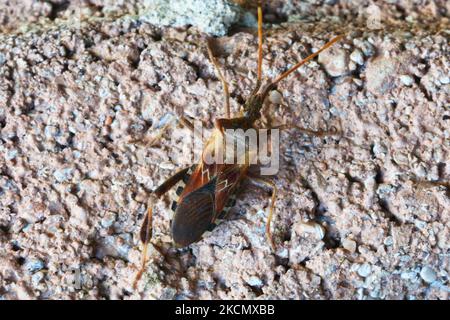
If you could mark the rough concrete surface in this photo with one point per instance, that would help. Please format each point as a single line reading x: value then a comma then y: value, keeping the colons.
x: 360, y: 215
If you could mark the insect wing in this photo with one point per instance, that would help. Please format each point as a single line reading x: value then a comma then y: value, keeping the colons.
x: 194, y: 215
x: 227, y: 182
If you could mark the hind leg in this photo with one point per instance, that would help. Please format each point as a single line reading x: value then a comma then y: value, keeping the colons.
x: 146, y: 229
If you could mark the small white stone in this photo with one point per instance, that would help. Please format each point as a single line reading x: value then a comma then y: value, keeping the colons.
x: 349, y: 245
x: 108, y: 219
x: 63, y: 175
x: 311, y: 227
x: 357, y: 56
x: 166, y: 165
x: 389, y: 241
x: 37, y: 278
x: 358, y: 82
x: 12, y: 154
x: 364, y: 270
x: 275, y: 97
x: 34, y: 265
x: 444, y: 80
x: 407, y: 80
x: 428, y: 274
x: 255, y: 282
x: 78, y: 216
x: 2, y: 59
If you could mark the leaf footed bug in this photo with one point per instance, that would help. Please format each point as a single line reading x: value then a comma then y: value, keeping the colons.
x: 209, y: 188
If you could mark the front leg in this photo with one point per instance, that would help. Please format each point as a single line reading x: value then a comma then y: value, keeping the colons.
x: 146, y: 229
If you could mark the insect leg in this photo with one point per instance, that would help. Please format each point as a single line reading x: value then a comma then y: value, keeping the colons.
x: 219, y: 74
x: 273, y: 187
x: 184, y: 121
x: 146, y: 229
x: 320, y: 133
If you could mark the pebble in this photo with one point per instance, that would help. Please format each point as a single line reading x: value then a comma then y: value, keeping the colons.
x: 349, y: 245
x: 357, y: 56
x: 275, y: 97
x: 366, y: 47
x: 311, y: 227
x: 34, y: 265
x: 2, y: 59
x: 364, y: 270
x: 12, y: 154
x: 389, y: 241
x: 358, y: 82
x: 37, y: 278
x: 380, y: 75
x: 428, y: 274
x: 444, y: 80
x: 407, y: 80
x: 108, y: 219
x: 78, y: 216
x: 255, y: 282
x: 63, y: 175
x: 335, y: 62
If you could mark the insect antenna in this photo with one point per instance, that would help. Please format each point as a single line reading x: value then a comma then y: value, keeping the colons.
x: 260, y: 49
x: 282, y: 76
x: 260, y: 44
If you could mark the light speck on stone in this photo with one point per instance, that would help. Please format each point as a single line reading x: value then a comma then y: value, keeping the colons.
x: 388, y: 241
x: 379, y: 149
x: 364, y: 270
x: 444, y: 80
x: 407, y: 80
x: 2, y: 59
x: 63, y: 175
x: 428, y: 274
x: 34, y: 265
x: 51, y: 131
x: 78, y: 216
x: 11, y: 154
x: 408, y: 275
x: 108, y: 219
x: 254, y: 281
x: 37, y: 278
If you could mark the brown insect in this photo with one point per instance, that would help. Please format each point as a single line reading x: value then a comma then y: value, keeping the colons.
x: 209, y: 188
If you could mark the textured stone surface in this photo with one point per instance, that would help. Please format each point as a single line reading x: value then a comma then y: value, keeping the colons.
x: 76, y: 99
